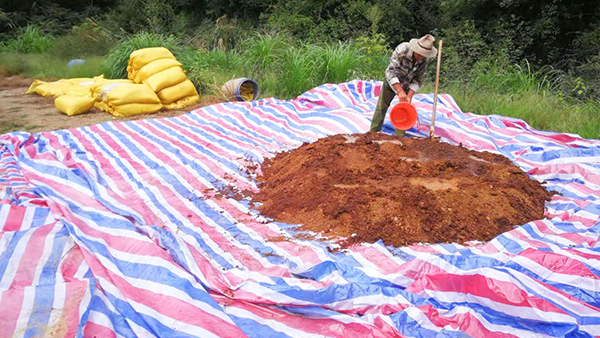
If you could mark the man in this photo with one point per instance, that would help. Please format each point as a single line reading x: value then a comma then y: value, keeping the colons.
x: 404, y: 76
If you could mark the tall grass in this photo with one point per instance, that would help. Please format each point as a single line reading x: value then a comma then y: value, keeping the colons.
x: 496, y: 87
x: 339, y: 62
x: 12, y: 64
x: 286, y: 68
x: 263, y: 49
x: 543, y: 112
x: 297, y: 71
x: 46, y: 66
x: 28, y: 40
x: 503, y: 77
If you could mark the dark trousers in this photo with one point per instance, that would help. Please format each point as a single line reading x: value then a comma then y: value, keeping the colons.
x: 386, y: 95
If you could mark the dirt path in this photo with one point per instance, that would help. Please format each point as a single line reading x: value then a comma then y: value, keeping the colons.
x: 33, y: 113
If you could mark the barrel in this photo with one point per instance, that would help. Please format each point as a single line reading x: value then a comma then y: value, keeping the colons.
x: 240, y: 89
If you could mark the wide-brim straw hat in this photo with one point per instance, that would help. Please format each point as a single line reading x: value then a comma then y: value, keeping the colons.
x: 424, y: 46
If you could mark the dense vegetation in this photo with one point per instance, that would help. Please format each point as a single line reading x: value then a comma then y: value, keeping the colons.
x: 533, y: 59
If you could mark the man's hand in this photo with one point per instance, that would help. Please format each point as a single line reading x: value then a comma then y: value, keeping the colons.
x: 400, y: 92
x: 402, y: 96
x: 410, y: 95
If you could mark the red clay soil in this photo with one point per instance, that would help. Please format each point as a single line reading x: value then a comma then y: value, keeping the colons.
x: 375, y: 186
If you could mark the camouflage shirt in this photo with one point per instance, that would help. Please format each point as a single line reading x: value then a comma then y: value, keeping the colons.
x: 406, y: 71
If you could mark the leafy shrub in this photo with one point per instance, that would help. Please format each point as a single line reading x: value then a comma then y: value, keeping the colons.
x: 396, y: 22
x: 28, y: 39
x: 463, y: 48
x: 377, y: 56
x: 584, y: 81
x: 297, y: 25
x: 83, y: 40
x: 153, y: 16
x: 6, y: 21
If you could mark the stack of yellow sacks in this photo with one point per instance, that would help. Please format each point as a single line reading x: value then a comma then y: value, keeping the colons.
x: 159, y: 70
x: 156, y: 80
x: 125, y: 99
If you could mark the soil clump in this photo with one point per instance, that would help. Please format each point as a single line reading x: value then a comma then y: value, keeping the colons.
x: 371, y: 186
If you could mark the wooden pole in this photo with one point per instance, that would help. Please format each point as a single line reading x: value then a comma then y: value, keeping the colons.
x: 435, y: 93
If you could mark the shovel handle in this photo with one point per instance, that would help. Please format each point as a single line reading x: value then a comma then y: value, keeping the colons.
x: 435, y: 92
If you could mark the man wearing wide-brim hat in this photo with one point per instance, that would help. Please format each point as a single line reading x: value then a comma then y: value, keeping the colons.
x: 404, y: 76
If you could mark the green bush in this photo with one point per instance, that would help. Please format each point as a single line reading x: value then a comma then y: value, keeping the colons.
x: 223, y: 33
x: 86, y: 39
x: 463, y: 48
x: 297, y: 25
x: 584, y: 80
x: 28, y: 39
x: 586, y: 83
x: 376, y: 56
x: 396, y: 22
x: 53, y: 18
x: 6, y: 20
x: 153, y: 16
x: 322, y: 21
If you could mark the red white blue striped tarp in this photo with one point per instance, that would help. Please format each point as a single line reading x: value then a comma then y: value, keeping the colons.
x: 113, y: 230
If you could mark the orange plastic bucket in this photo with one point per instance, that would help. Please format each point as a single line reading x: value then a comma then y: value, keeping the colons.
x: 403, y: 116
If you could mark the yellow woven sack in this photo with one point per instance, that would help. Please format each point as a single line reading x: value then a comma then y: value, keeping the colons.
x: 101, y: 105
x: 166, y: 78
x: 74, y: 105
x: 142, y: 57
x: 134, y: 109
x: 131, y: 73
x: 180, y: 104
x: 100, y: 83
x: 154, y: 67
x: 132, y: 93
x: 74, y: 87
x: 177, y: 92
x: 44, y: 88
x: 129, y: 99
x: 128, y: 109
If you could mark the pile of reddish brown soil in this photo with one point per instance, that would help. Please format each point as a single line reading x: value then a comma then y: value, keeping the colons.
x: 400, y: 190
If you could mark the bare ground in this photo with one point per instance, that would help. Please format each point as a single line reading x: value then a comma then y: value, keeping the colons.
x: 34, y: 113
